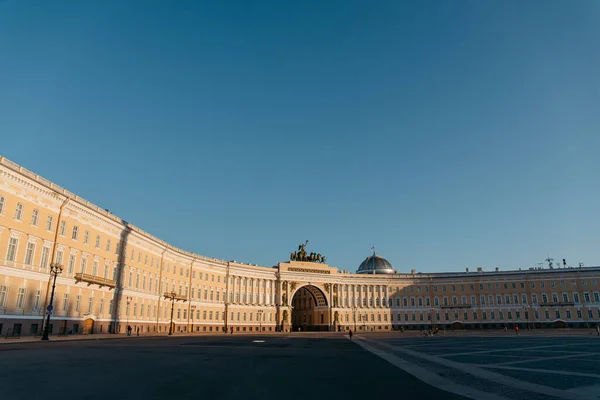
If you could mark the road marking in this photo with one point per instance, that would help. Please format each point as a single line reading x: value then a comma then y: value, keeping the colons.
x: 429, y: 377
x: 543, y: 371
x: 490, y: 376
x: 258, y: 341
x: 498, y: 351
x: 545, y: 359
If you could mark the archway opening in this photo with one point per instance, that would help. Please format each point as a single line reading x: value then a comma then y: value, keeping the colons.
x: 310, y: 311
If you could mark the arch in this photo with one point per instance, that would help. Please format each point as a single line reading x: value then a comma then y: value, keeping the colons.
x: 88, y: 326
x: 310, y: 309
x: 318, y: 294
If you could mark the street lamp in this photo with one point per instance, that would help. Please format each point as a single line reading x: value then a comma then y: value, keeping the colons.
x: 172, y: 297
x: 432, y: 313
x: 129, y: 298
x: 260, y: 314
x: 354, y: 316
x: 193, y: 308
x: 55, y: 269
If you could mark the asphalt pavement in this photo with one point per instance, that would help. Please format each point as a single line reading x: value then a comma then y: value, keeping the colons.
x: 303, y: 366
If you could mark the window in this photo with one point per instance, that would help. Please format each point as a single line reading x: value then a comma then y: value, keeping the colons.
x: 65, y: 301
x: 71, y: 263
x: 75, y: 232
x: 90, y: 304
x: 576, y: 298
x: 19, y: 212
x: 29, y: 253
x: 12, y: 249
x: 1, y: 205
x: 586, y: 297
x: 35, y: 216
x: 21, y: 298
x: 49, y: 223
x: 97, y: 241
x: 36, y: 299
x: 45, y: 257
x: 86, y: 237
x: 101, y: 306
x: 3, y: 292
x: 63, y: 228
x: 83, y: 265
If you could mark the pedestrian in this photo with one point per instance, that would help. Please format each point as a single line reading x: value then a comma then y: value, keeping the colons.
x: 128, y: 330
x: 505, y: 329
x: 231, y: 332
x: 517, y: 329
x: 138, y: 331
x: 350, y: 334
x: 598, y: 329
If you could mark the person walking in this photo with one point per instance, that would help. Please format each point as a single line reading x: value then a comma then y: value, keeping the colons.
x: 128, y: 330
x: 138, y: 331
x: 350, y: 334
x: 517, y: 329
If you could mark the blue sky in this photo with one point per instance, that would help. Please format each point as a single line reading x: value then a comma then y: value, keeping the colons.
x: 447, y: 134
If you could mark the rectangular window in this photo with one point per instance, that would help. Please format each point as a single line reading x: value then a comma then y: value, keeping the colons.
x: 1, y: 208
x: 63, y: 228
x: 75, y: 232
x: 36, y: 299
x: 59, y: 257
x: 97, y: 241
x: 49, y: 223
x: 29, y: 253
x: 45, y: 257
x: 77, y: 303
x: 108, y: 245
x: 90, y: 304
x: 13, y: 243
x: 101, y: 306
x: 83, y: 265
x: 19, y: 212
x: 86, y: 237
x: 21, y: 298
x: 65, y: 301
x: 35, y: 215
x: 71, y: 263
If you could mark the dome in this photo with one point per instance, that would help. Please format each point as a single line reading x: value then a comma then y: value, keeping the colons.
x: 375, y: 265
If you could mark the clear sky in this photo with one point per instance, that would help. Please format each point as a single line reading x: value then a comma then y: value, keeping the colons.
x: 448, y: 134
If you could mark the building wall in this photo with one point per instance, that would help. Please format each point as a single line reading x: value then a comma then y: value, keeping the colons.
x: 116, y: 275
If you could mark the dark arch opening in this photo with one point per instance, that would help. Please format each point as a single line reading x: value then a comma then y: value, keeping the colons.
x: 310, y: 311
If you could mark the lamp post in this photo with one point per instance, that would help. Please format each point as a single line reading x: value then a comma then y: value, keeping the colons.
x: 55, y: 269
x: 193, y: 308
x: 354, y: 316
x: 171, y: 296
x: 432, y: 313
x: 260, y: 314
x: 129, y: 298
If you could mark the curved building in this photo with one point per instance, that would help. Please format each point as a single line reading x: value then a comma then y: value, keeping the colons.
x: 115, y: 275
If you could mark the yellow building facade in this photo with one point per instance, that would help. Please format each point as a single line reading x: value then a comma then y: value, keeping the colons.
x: 115, y: 275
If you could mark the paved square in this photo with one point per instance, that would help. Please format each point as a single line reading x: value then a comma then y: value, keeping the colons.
x: 495, y: 367
x: 305, y: 366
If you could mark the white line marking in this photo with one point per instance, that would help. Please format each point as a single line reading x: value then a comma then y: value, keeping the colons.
x: 544, y: 359
x: 543, y: 371
x: 430, y: 378
x: 491, y: 376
